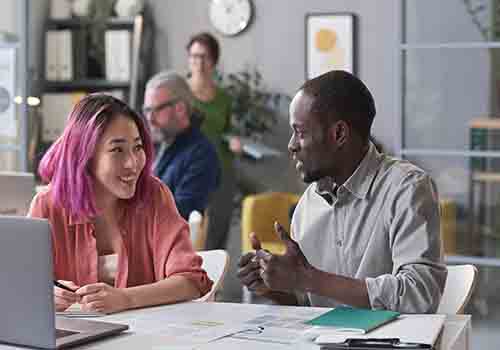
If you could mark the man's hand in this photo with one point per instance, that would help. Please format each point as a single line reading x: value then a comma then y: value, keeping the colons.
x: 288, y: 272
x: 101, y: 297
x: 249, y: 268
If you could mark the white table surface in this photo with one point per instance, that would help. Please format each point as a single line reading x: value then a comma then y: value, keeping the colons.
x: 146, y: 326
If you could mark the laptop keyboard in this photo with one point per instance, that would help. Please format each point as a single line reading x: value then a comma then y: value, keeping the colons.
x: 63, y: 333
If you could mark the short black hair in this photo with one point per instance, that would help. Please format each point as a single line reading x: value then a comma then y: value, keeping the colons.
x: 209, y: 41
x: 339, y: 95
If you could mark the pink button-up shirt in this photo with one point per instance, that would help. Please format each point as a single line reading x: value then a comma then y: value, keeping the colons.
x: 155, y: 243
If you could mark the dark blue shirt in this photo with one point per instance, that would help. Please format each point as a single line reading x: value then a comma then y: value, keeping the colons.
x: 191, y: 169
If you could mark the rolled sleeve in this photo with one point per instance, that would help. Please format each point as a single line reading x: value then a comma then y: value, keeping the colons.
x: 174, y: 253
x: 418, y: 275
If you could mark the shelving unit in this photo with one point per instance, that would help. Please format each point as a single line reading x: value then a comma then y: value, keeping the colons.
x: 90, y: 85
x: 61, y: 94
x: 483, y: 176
x: 421, y: 50
x: 133, y: 24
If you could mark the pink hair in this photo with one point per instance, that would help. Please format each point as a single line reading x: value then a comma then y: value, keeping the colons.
x: 67, y: 162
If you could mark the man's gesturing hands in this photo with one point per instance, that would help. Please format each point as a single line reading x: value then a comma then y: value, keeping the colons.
x: 262, y: 271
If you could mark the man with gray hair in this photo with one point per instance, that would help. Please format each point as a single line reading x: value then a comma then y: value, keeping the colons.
x: 186, y: 161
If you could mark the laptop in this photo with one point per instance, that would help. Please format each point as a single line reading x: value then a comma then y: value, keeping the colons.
x: 17, y: 190
x: 27, y: 314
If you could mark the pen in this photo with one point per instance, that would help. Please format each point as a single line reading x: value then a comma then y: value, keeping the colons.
x: 62, y: 286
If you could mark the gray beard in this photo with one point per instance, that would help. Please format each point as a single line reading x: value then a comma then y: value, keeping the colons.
x: 161, y: 135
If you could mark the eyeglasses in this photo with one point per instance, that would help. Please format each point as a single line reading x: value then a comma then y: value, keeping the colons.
x: 201, y: 57
x: 152, y: 110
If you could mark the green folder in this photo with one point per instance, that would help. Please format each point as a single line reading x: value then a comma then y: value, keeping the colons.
x: 354, y: 320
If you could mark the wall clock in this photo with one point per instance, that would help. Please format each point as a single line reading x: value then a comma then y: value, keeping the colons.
x: 230, y: 17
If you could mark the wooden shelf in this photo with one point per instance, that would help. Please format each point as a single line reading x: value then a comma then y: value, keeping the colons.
x: 485, y: 123
x: 84, y: 84
x: 74, y: 23
x: 486, y: 176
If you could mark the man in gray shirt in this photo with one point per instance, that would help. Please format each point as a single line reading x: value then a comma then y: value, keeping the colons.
x: 366, y: 231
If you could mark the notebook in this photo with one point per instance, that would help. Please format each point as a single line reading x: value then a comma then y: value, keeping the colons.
x: 417, y: 329
x: 354, y: 320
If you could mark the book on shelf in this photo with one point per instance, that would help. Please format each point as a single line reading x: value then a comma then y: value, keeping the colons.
x: 478, y: 142
x: 484, y: 136
x: 117, y: 46
x: 60, y: 9
x: 59, y: 55
x: 51, y: 55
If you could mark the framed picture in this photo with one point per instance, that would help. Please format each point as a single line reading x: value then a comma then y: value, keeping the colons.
x: 329, y: 43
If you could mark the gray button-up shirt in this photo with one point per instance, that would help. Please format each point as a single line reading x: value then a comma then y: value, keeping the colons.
x: 382, y: 226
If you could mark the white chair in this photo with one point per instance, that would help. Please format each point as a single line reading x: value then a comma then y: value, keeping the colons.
x: 198, y: 225
x: 216, y: 264
x: 458, y: 289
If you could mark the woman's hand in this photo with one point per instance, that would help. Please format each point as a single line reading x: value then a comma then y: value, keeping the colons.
x: 101, y: 297
x: 235, y: 145
x: 63, y: 298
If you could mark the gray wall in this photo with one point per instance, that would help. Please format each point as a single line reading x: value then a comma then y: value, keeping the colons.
x: 274, y: 43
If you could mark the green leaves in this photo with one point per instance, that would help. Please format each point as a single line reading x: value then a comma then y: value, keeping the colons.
x: 255, y: 109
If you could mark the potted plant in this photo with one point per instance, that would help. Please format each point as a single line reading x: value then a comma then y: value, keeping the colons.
x: 255, y: 109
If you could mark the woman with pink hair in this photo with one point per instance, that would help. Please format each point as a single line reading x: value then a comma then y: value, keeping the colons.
x: 118, y: 240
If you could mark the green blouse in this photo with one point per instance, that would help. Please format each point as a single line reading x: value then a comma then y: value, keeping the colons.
x: 217, y: 122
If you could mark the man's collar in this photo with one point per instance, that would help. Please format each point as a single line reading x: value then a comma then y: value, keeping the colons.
x: 359, y: 182
x: 327, y: 188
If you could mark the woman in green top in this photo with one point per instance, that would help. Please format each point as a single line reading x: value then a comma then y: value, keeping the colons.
x: 215, y: 104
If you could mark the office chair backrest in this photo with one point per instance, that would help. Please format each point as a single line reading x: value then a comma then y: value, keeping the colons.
x: 216, y: 264
x: 258, y: 214
x: 198, y: 226
x: 458, y: 289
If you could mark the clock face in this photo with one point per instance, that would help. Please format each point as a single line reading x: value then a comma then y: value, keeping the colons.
x: 230, y: 17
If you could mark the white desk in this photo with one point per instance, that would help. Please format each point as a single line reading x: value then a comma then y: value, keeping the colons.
x: 455, y: 335
x: 149, y: 327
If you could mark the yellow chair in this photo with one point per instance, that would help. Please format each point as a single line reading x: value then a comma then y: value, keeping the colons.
x: 448, y: 211
x: 258, y: 214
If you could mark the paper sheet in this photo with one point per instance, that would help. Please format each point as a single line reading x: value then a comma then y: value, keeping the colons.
x: 75, y: 311
x: 276, y: 328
